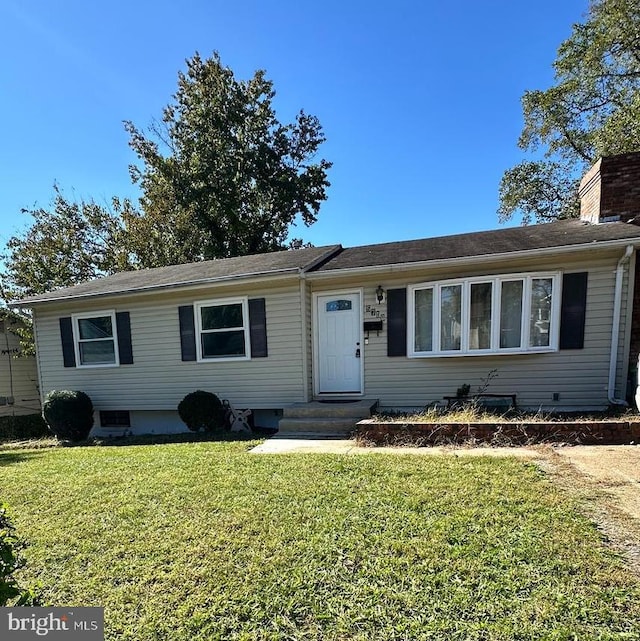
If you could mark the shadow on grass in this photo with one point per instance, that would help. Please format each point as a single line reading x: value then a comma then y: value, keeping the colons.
x: 183, y: 437
x: 12, y: 457
x: 17, y: 448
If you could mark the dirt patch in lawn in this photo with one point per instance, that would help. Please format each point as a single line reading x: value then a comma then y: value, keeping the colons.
x: 606, y: 481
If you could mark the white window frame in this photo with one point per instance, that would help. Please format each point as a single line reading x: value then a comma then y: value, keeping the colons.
x: 219, y: 302
x: 495, y: 349
x: 77, y: 340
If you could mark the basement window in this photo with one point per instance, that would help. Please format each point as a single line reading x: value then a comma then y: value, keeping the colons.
x: 115, y: 418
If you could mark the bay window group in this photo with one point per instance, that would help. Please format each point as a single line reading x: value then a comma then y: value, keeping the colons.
x: 497, y: 314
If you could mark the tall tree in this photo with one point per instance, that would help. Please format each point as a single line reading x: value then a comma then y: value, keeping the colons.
x: 223, y: 177
x: 67, y: 244
x: 220, y: 169
x: 593, y: 109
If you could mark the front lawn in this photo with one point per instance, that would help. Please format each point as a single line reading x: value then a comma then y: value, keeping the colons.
x: 204, y: 541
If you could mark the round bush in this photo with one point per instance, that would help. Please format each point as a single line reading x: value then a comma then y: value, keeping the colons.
x: 68, y: 414
x: 202, y: 411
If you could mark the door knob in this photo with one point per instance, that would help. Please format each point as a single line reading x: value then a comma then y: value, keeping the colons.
x: 358, y: 352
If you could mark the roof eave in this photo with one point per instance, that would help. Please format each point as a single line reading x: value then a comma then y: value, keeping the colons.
x: 186, y: 285
x: 190, y: 284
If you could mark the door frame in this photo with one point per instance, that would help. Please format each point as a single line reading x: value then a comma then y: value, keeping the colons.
x: 359, y: 291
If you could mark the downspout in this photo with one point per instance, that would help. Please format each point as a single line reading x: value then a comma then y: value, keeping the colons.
x: 615, y: 329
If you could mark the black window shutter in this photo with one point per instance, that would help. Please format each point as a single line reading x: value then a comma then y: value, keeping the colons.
x: 187, y: 333
x: 66, y: 335
x: 572, y: 313
x: 123, y: 325
x: 397, y: 322
x: 258, y: 328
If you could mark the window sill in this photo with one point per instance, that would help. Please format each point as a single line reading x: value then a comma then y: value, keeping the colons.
x: 224, y: 359
x: 519, y: 352
x: 103, y: 366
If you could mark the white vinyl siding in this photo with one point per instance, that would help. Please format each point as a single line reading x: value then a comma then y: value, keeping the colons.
x: 159, y: 379
x: 18, y: 379
x: 579, y: 376
x: 308, y: 329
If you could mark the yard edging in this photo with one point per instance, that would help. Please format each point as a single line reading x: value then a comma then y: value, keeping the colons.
x: 514, y: 433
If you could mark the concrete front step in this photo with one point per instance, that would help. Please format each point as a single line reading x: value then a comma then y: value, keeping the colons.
x: 319, y: 409
x: 316, y: 425
x: 324, y: 419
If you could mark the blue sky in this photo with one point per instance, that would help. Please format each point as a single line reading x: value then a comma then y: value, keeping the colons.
x: 419, y: 100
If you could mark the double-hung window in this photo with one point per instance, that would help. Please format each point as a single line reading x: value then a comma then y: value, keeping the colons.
x: 490, y: 315
x: 95, y: 339
x: 223, y: 329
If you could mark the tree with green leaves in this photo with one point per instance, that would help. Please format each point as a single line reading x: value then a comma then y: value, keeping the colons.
x: 221, y: 172
x: 69, y: 243
x: 66, y: 244
x: 592, y: 110
x: 221, y: 176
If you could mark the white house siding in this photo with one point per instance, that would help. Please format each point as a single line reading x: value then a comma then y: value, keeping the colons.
x: 158, y: 379
x: 580, y: 377
x: 18, y: 379
x: 309, y: 327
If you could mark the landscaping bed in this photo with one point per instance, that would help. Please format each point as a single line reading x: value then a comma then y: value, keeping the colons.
x: 469, y: 427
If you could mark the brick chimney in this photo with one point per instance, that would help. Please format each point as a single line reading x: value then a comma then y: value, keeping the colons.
x: 610, y: 190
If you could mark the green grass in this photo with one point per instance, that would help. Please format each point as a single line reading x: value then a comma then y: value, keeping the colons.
x: 204, y: 541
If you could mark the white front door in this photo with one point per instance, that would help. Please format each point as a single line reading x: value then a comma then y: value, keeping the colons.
x: 339, y: 352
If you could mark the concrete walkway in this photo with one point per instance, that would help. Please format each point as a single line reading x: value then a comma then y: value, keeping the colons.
x: 290, y: 445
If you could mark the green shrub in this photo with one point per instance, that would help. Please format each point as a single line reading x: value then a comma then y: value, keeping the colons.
x: 202, y: 410
x: 11, y: 560
x: 20, y: 428
x: 68, y: 414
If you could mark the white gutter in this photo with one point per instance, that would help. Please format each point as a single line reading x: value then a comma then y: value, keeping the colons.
x: 615, y: 329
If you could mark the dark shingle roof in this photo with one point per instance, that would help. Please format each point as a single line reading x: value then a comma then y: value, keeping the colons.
x: 501, y: 241
x: 332, y: 257
x: 191, y: 274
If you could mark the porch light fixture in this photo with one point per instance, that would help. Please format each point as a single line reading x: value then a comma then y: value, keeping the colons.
x: 380, y: 294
